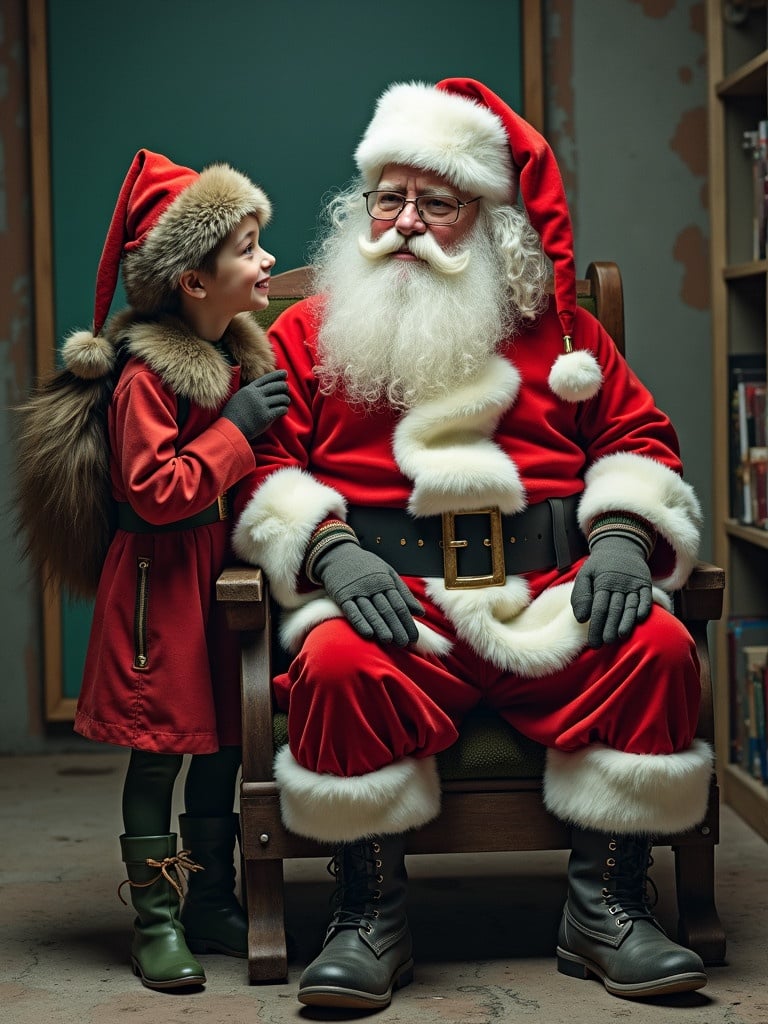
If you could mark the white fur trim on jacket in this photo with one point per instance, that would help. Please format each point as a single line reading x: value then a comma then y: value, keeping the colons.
x: 296, y: 624
x: 273, y: 532
x: 276, y: 524
x: 334, y: 809
x: 635, y: 483
x: 445, y: 447
x: 414, y: 123
x: 632, y: 794
x: 502, y: 624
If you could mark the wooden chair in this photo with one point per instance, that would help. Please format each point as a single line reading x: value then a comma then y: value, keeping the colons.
x: 492, y: 776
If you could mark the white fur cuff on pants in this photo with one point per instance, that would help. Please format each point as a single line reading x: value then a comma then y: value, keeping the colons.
x: 643, y: 794
x: 335, y: 809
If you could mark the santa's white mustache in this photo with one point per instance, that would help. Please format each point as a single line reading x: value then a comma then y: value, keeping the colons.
x: 424, y: 247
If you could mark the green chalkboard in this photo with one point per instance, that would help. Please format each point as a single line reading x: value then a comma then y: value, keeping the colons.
x: 281, y: 91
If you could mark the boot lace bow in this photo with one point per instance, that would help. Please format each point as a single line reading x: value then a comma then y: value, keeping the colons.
x: 170, y: 868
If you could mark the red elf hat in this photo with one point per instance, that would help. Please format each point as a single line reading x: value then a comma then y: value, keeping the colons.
x: 465, y: 132
x: 166, y: 220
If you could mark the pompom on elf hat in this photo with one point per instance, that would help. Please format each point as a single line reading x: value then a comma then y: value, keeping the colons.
x: 463, y: 131
x: 166, y: 220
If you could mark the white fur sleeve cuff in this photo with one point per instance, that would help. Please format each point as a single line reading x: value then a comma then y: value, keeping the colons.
x: 276, y: 524
x: 639, y: 484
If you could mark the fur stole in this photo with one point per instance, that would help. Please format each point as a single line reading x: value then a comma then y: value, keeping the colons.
x: 64, y: 513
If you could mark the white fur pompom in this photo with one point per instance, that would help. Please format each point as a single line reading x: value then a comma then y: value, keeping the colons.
x: 88, y: 356
x: 575, y: 376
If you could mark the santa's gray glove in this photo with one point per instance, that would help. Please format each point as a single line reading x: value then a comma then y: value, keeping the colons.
x: 612, y: 589
x: 369, y: 592
x: 253, y: 408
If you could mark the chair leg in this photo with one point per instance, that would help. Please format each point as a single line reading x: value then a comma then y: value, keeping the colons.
x: 267, y: 953
x: 699, y: 926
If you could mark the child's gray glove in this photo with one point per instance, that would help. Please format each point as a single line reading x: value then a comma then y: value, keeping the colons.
x: 613, y: 590
x: 369, y: 592
x: 253, y: 408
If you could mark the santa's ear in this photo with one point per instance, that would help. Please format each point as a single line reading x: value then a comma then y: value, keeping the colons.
x: 191, y: 284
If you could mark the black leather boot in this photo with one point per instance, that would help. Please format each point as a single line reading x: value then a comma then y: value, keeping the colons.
x: 367, y: 948
x: 608, y: 929
x: 213, y: 919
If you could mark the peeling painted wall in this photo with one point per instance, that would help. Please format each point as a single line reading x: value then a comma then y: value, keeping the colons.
x: 626, y: 117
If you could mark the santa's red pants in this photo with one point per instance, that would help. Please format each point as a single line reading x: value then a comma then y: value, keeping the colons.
x: 355, y: 706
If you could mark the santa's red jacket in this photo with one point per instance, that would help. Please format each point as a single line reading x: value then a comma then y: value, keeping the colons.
x: 502, y: 439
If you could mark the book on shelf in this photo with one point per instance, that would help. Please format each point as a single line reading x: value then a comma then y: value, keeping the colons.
x: 760, y: 765
x: 743, y: 631
x: 755, y: 670
x: 748, y: 440
x: 755, y: 144
x: 758, y: 486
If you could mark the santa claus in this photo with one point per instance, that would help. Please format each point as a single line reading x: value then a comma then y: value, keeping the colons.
x: 473, y: 498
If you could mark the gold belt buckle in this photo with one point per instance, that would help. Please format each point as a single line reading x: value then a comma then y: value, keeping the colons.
x: 451, y: 544
x: 223, y: 502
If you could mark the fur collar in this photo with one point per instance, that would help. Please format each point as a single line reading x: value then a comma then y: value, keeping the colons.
x: 187, y: 364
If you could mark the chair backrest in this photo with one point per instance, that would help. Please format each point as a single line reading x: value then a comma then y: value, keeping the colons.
x: 600, y: 292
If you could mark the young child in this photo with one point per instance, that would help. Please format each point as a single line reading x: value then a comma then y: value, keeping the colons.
x: 161, y: 676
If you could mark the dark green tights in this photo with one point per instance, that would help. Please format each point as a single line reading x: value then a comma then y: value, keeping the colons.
x: 209, y: 790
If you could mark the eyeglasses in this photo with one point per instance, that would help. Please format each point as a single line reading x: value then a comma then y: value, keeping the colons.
x: 382, y: 204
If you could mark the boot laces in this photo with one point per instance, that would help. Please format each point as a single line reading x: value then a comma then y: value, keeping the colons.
x: 353, y: 867
x: 628, y: 897
x: 169, y: 868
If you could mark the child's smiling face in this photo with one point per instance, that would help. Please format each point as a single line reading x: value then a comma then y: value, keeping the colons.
x: 240, y: 282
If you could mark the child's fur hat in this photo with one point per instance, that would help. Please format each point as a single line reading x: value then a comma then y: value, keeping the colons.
x: 167, y: 219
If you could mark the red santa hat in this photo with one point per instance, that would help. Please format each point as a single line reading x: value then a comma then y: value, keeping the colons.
x: 167, y: 219
x: 463, y: 131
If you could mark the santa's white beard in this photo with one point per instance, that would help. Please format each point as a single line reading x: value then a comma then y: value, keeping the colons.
x: 403, y: 331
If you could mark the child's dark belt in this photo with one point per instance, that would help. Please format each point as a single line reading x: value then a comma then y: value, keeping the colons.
x: 132, y: 522
x: 478, y: 548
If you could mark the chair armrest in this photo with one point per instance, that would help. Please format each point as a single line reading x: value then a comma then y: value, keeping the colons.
x: 243, y: 591
x: 696, y: 604
x: 702, y: 596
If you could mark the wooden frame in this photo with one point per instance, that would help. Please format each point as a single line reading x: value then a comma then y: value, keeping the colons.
x: 515, y: 805
x: 57, y: 706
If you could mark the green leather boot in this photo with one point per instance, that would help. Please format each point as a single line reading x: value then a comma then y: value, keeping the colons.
x: 608, y: 929
x: 159, y: 952
x: 367, y: 948
x: 213, y: 919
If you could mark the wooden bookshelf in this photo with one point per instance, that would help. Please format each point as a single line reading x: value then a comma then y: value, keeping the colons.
x: 737, y: 41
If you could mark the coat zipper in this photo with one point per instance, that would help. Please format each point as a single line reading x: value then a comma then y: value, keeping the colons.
x: 141, y: 654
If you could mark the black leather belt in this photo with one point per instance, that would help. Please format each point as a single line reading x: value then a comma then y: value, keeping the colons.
x: 478, y: 548
x: 131, y: 521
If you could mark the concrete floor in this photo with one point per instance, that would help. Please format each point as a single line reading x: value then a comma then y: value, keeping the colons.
x: 484, y: 927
